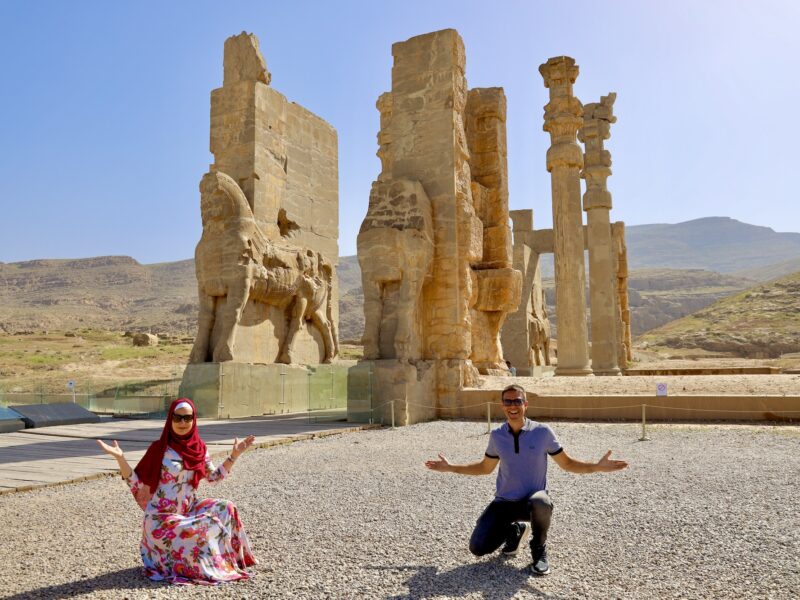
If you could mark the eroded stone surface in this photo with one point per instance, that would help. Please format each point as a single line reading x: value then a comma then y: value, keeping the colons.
x: 526, y: 332
x: 596, y: 128
x: 435, y: 246
x: 266, y: 260
x: 562, y: 118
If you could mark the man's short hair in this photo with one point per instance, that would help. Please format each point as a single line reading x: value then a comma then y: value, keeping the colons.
x: 516, y: 388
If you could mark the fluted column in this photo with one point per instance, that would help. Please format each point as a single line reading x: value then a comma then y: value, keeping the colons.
x: 562, y: 118
x: 597, y: 120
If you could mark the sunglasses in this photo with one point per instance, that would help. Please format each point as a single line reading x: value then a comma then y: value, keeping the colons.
x: 176, y: 418
x: 513, y: 401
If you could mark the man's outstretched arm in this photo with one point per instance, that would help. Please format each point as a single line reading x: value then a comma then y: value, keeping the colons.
x: 482, y: 467
x: 604, y: 465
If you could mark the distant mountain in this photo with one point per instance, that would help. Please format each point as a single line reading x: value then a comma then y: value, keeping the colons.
x: 761, y: 322
x: 714, y: 243
x: 656, y: 296
x: 718, y: 244
x: 671, y: 276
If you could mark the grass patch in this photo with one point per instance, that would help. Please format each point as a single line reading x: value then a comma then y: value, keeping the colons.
x: 128, y: 353
x: 351, y: 352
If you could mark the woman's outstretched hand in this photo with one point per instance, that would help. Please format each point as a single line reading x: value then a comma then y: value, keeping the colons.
x: 240, y: 448
x: 119, y: 455
x: 114, y: 450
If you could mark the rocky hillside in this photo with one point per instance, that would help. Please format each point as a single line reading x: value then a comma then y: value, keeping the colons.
x: 716, y: 244
x: 676, y: 270
x: 761, y: 322
x: 109, y: 292
x: 117, y: 293
x: 656, y: 296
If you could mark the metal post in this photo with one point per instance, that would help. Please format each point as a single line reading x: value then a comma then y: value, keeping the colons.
x: 308, y: 383
x: 488, y: 417
x: 392, y: 403
x: 283, y: 388
x: 369, y: 394
x: 644, y: 437
x: 330, y: 400
x: 221, y: 391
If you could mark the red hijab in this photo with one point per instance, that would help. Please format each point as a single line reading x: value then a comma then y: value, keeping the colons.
x: 191, y: 447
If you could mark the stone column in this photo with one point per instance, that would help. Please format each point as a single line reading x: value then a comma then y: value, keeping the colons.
x: 515, y: 334
x: 597, y: 120
x: 624, y: 346
x: 562, y: 118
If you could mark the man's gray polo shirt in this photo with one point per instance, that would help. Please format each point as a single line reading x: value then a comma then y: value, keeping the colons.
x: 523, y: 458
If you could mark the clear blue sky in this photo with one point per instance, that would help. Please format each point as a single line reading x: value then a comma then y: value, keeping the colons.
x: 104, y: 111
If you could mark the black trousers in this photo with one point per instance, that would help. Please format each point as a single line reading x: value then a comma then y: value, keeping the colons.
x: 494, y: 524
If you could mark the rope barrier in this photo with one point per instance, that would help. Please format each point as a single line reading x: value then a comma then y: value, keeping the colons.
x: 588, y: 408
x: 721, y: 410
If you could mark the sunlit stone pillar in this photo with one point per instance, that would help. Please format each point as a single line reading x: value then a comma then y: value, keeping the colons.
x: 562, y: 118
x: 597, y: 120
x: 624, y: 346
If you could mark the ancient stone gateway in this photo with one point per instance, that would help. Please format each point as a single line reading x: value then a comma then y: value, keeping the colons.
x: 435, y: 245
x: 266, y: 261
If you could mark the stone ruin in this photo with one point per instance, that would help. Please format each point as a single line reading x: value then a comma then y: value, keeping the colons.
x: 435, y: 245
x: 439, y: 274
x: 527, y: 331
x: 266, y: 261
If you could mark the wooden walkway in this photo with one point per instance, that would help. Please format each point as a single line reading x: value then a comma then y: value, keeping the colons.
x: 48, y: 456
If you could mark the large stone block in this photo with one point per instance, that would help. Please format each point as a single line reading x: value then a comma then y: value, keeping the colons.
x: 400, y: 393
x: 243, y: 60
x: 232, y: 390
x: 496, y: 247
x: 498, y: 290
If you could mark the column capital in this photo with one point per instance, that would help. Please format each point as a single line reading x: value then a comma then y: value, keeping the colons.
x: 559, y: 72
x: 596, y: 128
x: 563, y: 114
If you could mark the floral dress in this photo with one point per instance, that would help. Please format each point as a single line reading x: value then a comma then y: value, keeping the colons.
x: 186, y: 540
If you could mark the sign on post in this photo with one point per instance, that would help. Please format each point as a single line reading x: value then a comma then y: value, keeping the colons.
x: 71, y: 387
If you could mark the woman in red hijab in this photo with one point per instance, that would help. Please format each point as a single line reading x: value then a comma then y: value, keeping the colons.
x: 185, y: 539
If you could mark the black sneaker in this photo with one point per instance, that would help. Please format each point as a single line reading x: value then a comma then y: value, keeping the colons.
x: 517, y: 535
x: 539, y: 566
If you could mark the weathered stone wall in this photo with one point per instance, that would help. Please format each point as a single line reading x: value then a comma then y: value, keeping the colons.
x: 285, y: 160
x: 443, y: 153
x: 497, y: 283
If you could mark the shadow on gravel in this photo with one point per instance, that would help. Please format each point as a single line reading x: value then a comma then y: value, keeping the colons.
x: 493, y: 579
x: 119, y: 582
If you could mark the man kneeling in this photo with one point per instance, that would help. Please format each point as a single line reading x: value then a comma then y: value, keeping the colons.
x: 521, y: 446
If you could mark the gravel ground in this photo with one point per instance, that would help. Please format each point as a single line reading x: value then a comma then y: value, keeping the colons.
x: 704, y: 511
x: 679, y: 385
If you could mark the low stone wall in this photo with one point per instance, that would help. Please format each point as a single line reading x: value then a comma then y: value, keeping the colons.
x: 705, y: 371
x: 667, y: 408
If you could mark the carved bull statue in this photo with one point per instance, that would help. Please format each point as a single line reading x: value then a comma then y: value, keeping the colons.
x: 235, y: 263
